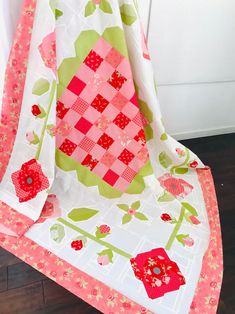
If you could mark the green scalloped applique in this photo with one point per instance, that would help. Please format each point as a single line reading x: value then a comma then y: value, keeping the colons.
x: 89, y: 178
x: 144, y: 108
x: 68, y: 68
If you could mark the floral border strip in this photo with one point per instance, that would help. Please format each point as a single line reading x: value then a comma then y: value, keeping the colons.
x: 14, y: 83
x: 107, y: 300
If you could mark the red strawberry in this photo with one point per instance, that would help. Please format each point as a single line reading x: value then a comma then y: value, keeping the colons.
x: 36, y: 110
x: 193, y: 164
x: 166, y: 217
x: 77, y: 245
x: 104, y: 229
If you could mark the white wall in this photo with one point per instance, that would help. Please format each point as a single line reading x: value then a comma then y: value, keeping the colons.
x: 192, y: 45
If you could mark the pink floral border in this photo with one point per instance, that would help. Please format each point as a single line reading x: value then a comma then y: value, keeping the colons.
x: 89, y: 289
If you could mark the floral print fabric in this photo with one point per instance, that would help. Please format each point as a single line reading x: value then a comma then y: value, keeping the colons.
x: 97, y: 175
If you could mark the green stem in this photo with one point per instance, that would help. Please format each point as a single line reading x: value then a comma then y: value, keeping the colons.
x: 176, y: 229
x: 53, y: 88
x: 183, y: 163
x: 91, y: 237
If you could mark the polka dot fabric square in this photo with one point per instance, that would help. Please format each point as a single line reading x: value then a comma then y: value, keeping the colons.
x: 104, y: 133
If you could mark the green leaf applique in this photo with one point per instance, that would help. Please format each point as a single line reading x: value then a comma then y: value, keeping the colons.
x: 82, y: 214
x: 40, y: 87
x: 190, y: 208
x: 164, y: 137
x: 57, y: 233
x: 128, y: 14
x: 166, y: 197
x: 105, y: 7
x: 140, y: 216
x: 165, y: 160
x: 135, y: 205
x: 58, y: 13
x: 90, y: 8
x: 126, y: 218
x: 124, y: 207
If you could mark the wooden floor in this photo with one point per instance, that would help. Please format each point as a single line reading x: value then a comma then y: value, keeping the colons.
x: 23, y: 290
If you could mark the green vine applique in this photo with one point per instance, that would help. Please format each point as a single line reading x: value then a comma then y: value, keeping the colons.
x: 103, y: 5
x: 131, y: 211
x: 188, y: 213
x: 41, y: 87
x: 182, y: 168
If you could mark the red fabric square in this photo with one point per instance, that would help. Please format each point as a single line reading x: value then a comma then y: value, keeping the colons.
x: 61, y: 110
x: 90, y: 162
x: 83, y: 125
x: 105, y: 141
x: 76, y: 85
x: 121, y: 120
x: 126, y: 156
x: 117, y: 80
x: 68, y: 147
x: 93, y: 60
x: 134, y: 100
x: 87, y: 144
x: 140, y: 137
x: 111, y: 177
x: 100, y: 103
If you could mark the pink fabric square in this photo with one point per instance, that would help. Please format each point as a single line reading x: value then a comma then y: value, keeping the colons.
x: 75, y: 136
x: 108, y: 159
x: 114, y: 131
x: 88, y: 94
x: 105, y: 70
x: 110, y: 177
x: 111, y: 112
x: 100, y: 169
x: 128, y: 89
x: 97, y: 152
x: 87, y: 144
x: 79, y: 154
x: 85, y: 73
x: 102, y: 47
x: 118, y: 167
x: 128, y: 174
x: 116, y: 148
x: 125, y: 68
x: 130, y: 110
x: 72, y: 117
x: 134, y: 147
x: 136, y: 164
x: 94, y: 133
x: 107, y: 91
x: 132, y: 129
x: 119, y: 101
x: 121, y: 184
x: 138, y: 119
x: 80, y: 106
x: 114, y: 57
x: 68, y: 98
x: 91, y: 114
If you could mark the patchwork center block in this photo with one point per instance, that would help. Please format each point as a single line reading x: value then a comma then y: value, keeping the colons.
x: 100, y: 107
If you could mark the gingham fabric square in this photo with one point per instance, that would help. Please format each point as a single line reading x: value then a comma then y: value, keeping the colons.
x: 106, y: 131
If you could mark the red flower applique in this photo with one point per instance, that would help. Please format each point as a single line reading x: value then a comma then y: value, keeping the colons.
x: 158, y: 273
x: 29, y: 180
x: 177, y: 187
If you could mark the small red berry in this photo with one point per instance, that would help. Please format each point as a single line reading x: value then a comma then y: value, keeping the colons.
x: 193, y: 164
x: 77, y: 245
x: 104, y: 229
x: 36, y: 110
x: 166, y: 217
